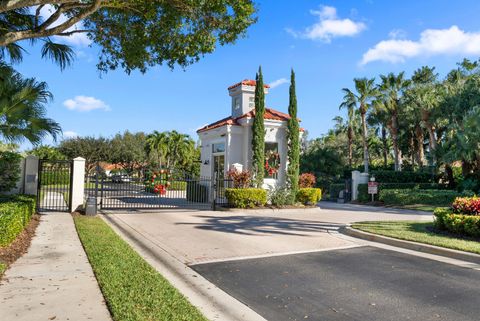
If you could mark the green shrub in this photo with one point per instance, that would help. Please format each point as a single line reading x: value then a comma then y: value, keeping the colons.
x: 335, y: 190
x: 457, y: 223
x: 246, y: 197
x: 9, y: 170
x: 409, y: 185
x: 384, y: 176
x: 197, y: 192
x: 363, y: 195
x: 309, y: 196
x: 416, y: 196
x: 178, y: 186
x: 280, y: 196
x: 15, y: 213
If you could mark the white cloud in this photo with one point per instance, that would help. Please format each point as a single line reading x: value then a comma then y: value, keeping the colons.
x: 85, y: 103
x: 76, y: 39
x: 329, y: 26
x: 69, y: 134
x: 278, y: 82
x: 452, y: 41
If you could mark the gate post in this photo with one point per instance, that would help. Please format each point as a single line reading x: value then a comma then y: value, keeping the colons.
x: 30, y: 179
x: 77, y: 185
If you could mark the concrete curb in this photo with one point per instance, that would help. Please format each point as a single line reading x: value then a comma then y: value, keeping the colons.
x: 213, y: 302
x: 419, y: 247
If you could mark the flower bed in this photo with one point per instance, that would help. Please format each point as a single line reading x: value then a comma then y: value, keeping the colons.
x: 463, y: 218
x: 159, y: 182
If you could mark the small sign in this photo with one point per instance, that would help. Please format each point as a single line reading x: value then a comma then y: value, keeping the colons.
x: 372, y: 187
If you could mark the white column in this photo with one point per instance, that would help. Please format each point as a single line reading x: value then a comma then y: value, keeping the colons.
x: 358, y: 178
x: 31, y: 175
x: 78, y: 183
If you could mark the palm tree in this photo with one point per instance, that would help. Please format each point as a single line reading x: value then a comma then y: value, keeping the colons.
x: 378, y: 118
x: 390, y: 92
x: 366, y: 91
x: 349, y: 102
x: 179, y: 146
x: 22, y: 108
x: 156, y: 143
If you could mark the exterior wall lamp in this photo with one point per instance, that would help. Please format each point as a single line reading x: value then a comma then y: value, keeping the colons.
x: 206, y: 162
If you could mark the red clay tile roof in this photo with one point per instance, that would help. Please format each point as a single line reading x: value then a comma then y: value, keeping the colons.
x: 271, y: 114
x: 247, y: 82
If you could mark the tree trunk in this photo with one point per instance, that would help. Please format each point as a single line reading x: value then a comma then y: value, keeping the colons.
x: 420, y: 150
x: 432, y: 140
x: 364, y: 140
x: 450, y: 177
x: 396, y: 151
x: 350, y: 146
x: 385, y: 146
x: 412, y: 149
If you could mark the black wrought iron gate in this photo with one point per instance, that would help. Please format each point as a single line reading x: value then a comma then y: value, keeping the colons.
x: 154, y: 191
x: 54, y: 186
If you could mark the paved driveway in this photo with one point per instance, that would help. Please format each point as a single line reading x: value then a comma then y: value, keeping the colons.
x: 202, y: 236
x: 362, y: 283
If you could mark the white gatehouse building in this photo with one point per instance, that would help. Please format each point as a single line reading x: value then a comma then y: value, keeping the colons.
x: 227, y: 143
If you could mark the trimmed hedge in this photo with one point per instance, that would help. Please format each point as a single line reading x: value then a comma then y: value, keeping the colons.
x: 385, y: 176
x: 178, y: 186
x: 246, y: 197
x: 418, y: 196
x: 457, y: 223
x: 309, y: 195
x: 9, y: 170
x: 15, y: 213
x: 335, y: 190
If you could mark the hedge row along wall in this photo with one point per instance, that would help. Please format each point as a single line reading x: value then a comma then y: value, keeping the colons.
x: 15, y: 214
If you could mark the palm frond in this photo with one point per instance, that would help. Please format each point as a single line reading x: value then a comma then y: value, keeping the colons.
x: 61, y: 54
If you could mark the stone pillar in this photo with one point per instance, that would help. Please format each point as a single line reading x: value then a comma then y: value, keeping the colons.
x: 30, y: 186
x: 358, y: 178
x: 77, y: 183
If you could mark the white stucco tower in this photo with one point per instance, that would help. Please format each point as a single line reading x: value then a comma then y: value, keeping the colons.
x: 243, y: 97
x: 227, y: 142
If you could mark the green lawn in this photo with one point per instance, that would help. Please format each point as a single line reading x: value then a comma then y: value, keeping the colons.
x: 133, y: 290
x: 419, y: 207
x: 419, y: 232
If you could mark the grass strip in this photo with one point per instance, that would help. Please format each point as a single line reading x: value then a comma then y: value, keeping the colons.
x: 420, y: 232
x: 133, y: 290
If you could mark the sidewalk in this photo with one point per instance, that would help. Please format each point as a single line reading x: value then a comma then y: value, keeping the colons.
x: 54, y: 280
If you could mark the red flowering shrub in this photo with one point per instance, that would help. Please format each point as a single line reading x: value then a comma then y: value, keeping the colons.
x: 467, y: 205
x: 240, y: 179
x: 307, y: 180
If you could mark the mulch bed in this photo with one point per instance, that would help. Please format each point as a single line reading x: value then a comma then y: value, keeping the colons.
x: 11, y: 253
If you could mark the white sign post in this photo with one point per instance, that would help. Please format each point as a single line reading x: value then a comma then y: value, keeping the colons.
x: 373, y: 188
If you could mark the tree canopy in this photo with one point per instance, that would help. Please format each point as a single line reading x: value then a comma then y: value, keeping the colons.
x: 131, y: 34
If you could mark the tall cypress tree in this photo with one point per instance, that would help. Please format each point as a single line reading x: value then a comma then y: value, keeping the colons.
x: 293, y: 138
x: 258, y: 131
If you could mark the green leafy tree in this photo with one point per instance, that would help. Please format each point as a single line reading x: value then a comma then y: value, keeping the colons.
x: 22, y: 108
x: 9, y: 170
x: 258, y: 132
x: 93, y: 149
x: 293, y: 139
x: 132, y: 34
x: 128, y: 151
x: 47, y: 152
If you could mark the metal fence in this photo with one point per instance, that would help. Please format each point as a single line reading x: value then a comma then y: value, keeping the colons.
x: 54, y: 186
x: 175, y: 192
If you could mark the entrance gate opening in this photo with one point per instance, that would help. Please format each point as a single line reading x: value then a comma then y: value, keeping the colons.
x: 54, y: 186
x: 156, y: 190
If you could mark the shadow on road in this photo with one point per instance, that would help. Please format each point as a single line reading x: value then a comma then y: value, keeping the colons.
x: 249, y: 225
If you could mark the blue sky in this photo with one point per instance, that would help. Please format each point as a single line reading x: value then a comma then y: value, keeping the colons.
x: 328, y: 43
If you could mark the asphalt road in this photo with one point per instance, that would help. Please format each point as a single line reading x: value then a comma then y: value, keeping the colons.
x: 363, y: 283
